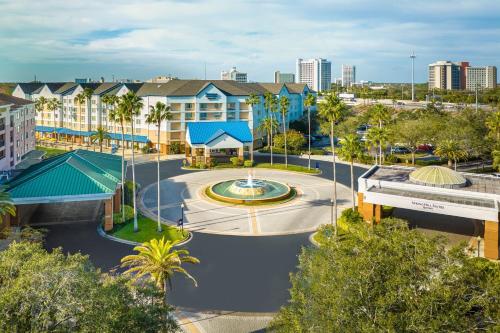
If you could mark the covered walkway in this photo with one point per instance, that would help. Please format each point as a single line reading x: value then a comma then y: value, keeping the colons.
x: 76, y: 176
x: 70, y: 134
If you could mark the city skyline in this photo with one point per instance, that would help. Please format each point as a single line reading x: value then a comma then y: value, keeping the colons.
x: 142, y: 40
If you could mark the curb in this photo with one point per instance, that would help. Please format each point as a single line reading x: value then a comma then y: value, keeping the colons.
x: 312, y: 240
x: 102, y: 233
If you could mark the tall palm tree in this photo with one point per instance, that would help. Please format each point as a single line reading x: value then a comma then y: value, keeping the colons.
x: 252, y: 100
x: 377, y: 137
x: 80, y: 99
x: 333, y: 110
x: 54, y: 105
x: 270, y: 103
x: 117, y: 115
x: 309, y: 102
x: 160, y: 261
x: 350, y: 150
x: 6, y: 205
x: 284, y: 104
x: 132, y: 106
x: 100, y: 135
x: 493, y: 124
x: 87, y: 93
x: 40, y: 106
x: 379, y: 115
x: 111, y: 101
x: 266, y: 125
x: 452, y: 150
x: 159, y: 113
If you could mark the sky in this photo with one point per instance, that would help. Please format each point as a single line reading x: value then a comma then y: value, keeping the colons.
x: 60, y: 40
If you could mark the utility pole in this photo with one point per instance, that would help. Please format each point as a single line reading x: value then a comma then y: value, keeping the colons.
x: 413, y: 56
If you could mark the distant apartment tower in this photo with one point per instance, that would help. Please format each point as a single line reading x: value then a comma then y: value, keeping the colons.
x: 348, y: 75
x: 234, y: 75
x: 283, y: 77
x: 444, y: 75
x: 481, y: 77
x: 316, y: 73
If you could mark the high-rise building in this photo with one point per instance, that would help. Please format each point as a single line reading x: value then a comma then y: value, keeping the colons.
x: 463, y: 73
x: 283, y: 77
x: 234, y: 75
x: 481, y: 77
x: 348, y: 75
x: 316, y: 73
x: 444, y: 75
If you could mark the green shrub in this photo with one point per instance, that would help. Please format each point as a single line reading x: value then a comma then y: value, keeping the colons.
x: 392, y: 159
x: 294, y: 140
x: 317, y: 152
x: 365, y: 159
x: 248, y: 164
x: 175, y: 148
x: 129, y: 214
x: 202, y: 165
x: 430, y: 162
x: 235, y: 161
x: 128, y: 191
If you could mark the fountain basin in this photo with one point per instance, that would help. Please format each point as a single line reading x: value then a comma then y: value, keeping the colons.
x: 248, y: 192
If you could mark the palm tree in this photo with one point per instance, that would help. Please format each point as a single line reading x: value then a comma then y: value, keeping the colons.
x: 376, y: 137
x: 111, y: 101
x: 451, y: 150
x: 309, y: 102
x: 159, y: 113
x: 117, y: 115
x: 40, y: 105
x: 252, y: 100
x: 333, y: 110
x: 284, y: 104
x: 270, y: 104
x: 493, y: 124
x: 100, y: 135
x: 158, y: 260
x: 6, y: 205
x: 53, y: 105
x: 131, y: 106
x: 266, y: 125
x: 80, y: 98
x: 379, y: 114
x: 351, y: 149
x: 87, y: 93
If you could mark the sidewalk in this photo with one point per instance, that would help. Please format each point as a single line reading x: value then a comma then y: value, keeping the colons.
x: 223, y: 321
x: 326, y: 158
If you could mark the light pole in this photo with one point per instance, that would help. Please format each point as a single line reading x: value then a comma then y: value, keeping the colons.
x: 413, y: 56
x: 477, y: 106
x: 478, y: 246
x: 181, y: 220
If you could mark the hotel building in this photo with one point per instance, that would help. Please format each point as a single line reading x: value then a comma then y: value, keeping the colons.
x: 189, y: 101
x: 348, y: 75
x: 17, y: 130
x: 234, y: 75
x: 316, y: 73
x: 481, y: 77
x: 283, y: 77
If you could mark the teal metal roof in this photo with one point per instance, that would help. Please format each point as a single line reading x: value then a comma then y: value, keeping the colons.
x: 113, y: 136
x: 204, y: 132
x: 79, y: 174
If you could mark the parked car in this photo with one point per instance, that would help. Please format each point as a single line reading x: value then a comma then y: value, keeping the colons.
x: 425, y: 147
x: 400, y: 150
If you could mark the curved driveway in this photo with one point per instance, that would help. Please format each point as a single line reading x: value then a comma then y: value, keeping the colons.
x: 236, y: 273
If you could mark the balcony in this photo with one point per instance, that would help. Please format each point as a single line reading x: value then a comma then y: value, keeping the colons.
x: 175, y: 107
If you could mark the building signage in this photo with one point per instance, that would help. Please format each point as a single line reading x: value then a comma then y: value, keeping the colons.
x: 431, y: 206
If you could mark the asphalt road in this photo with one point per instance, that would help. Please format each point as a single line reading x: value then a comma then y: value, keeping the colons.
x: 248, y: 274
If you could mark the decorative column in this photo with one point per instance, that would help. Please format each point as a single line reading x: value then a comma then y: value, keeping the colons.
x: 360, y: 202
x: 491, y: 233
x: 370, y: 212
x: 241, y: 153
x: 117, y: 200
x: 108, y: 214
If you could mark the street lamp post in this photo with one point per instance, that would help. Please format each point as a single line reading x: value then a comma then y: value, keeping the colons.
x: 413, y: 56
x: 181, y: 220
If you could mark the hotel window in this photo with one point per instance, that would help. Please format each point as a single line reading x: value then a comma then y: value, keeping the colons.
x: 231, y: 106
x: 231, y: 115
x: 189, y: 106
x: 203, y: 116
x: 189, y: 116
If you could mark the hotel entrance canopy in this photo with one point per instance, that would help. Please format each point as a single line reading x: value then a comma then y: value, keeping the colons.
x: 433, y: 189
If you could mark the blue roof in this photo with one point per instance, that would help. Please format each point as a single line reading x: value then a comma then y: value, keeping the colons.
x: 114, y: 136
x: 205, y: 132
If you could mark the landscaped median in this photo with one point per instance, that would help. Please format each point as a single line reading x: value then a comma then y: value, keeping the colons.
x: 276, y: 166
x: 147, y: 229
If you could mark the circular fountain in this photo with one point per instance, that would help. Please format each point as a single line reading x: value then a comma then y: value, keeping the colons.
x: 250, y: 191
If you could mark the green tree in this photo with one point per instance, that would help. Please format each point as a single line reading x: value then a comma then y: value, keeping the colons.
x: 110, y: 102
x: 351, y: 149
x: 379, y: 115
x: 390, y: 279
x: 6, y: 205
x: 333, y: 111
x: 99, y: 136
x: 284, y: 104
x: 54, y: 105
x: 87, y: 94
x: 451, y: 150
x: 493, y: 124
x: 411, y: 134
x: 309, y: 102
x: 271, y: 105
x: 252, y: 100
x: 40, y: 104
x: 377, y: 137
x: 158, y: 260
x: 131, y: 106
x: 158, y: 114
x: 266, y: 125
x: 54, y: 292
x: 295, y: 141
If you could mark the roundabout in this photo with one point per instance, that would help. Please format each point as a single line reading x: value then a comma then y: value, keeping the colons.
x: 235, y: 202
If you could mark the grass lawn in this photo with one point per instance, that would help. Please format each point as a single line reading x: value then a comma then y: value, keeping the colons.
x: 321, y: 236
x: 147, y: 231
x: 50, y: 152
x: 291, y: 167
x: 404, y: 157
